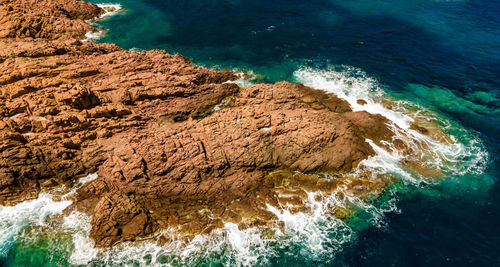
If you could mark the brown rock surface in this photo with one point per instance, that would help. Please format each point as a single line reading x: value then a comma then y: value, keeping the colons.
x: 61, y: 98
x: 120, y: 218
x: 144, y: 121
x: 50, y: 19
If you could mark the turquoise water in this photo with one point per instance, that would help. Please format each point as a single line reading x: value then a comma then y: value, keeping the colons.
x: 439, y: 57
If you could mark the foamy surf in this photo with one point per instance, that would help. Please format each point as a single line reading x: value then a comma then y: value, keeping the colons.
x: 15, y: 219
x: 352, y: 85
x: 109, y: 10
x: 463, y: 153
x: 34, y: 213
x: 229, y: 246
x: 93, y: 36
x: 318, y: 232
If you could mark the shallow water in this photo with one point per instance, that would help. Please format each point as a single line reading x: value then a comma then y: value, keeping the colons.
x: 440, y: 57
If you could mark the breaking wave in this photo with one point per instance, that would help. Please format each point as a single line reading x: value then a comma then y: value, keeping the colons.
x: 109, y: 10
x: 464, y: 152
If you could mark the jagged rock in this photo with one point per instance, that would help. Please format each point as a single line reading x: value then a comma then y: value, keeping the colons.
x: 117, y: 218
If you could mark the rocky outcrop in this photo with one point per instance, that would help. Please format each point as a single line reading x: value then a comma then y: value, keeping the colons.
x: 147, y: 123
x: 119, y: 217
x: 226, y: 156
x: 60, y: 98
x: 50, y: 19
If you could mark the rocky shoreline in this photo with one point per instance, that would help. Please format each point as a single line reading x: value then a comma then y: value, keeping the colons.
x: 146, y: 123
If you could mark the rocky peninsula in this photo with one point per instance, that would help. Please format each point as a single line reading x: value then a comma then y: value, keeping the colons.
x: 174, y: 145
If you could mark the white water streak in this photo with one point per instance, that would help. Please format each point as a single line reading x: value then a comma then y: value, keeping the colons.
x: 109, y: 10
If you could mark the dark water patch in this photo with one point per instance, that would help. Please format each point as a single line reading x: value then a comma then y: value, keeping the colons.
x: 257, y: 34
x: 432, y: 232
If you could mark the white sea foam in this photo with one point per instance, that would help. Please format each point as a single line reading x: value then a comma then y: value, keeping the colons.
x: 319, y: 233
x: 135, y: 50
x: 245, y: 79
x: 93, y: 36
x: 109, y: 10
x: 237, y: 247
x: 14, y: 219
x: 87, y: 179
x: 466, y: 153
x: 84, y: 251
x: 352, y: 85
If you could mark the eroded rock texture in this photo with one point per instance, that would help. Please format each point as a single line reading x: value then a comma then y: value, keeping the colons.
x: 145, y: 122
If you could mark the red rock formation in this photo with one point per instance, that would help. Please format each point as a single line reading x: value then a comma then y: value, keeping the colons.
x: 50, y: 19
x: 144, y: 120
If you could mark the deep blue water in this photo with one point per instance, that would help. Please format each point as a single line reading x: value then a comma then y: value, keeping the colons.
x: 443, y: 55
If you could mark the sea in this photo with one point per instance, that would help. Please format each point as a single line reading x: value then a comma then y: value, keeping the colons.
x: 434, y: 60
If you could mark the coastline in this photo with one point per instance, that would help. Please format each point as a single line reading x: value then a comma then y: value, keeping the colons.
x: 208, y: 87
x: 147, y: 115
